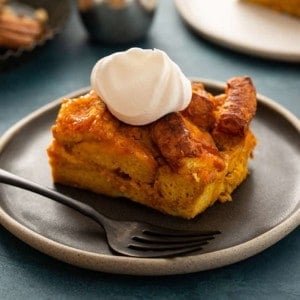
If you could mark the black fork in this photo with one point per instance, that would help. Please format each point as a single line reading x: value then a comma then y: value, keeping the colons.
x: 130, y: 238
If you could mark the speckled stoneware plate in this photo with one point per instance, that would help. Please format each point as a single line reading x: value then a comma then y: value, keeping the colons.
x: 244, y: 27
x: 265, y: 208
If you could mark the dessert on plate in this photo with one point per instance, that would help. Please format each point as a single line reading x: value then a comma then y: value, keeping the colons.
x: 291, y: 7
x: 147, y: 133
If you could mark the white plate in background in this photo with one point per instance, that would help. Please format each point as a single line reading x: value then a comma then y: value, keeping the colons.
x: 244, y: 27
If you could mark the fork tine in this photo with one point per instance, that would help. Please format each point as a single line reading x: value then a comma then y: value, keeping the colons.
x: 164, y: 239
x: 160, y: 231
x: 158, y: 246
x: 162, y: 253
x: 155, y: 241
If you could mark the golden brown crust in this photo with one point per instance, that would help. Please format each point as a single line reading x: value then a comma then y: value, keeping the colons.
x: 84, y: 121
x: 173, y: 138
x: 239, y: 107
x: 177, y: 138
x: 201, y: 108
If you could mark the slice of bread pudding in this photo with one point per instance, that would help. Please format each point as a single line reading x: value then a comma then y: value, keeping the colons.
x: 180, y: 164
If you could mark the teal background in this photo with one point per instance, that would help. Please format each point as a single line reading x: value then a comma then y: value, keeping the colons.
x: 64, y: 65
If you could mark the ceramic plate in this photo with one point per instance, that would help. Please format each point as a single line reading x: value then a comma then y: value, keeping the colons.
x: 265, y: 208
x: 245, y: 27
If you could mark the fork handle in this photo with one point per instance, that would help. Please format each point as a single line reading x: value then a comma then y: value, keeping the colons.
x: 14, y: 180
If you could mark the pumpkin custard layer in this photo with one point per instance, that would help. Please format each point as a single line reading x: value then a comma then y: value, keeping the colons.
x: 180, y: 164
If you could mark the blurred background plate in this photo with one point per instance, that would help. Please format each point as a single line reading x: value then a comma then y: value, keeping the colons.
x: 58, y: 13
x: 244, y: 27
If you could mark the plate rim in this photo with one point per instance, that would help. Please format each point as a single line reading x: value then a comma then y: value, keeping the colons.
x: 230, y: 44
x: 147, y: 266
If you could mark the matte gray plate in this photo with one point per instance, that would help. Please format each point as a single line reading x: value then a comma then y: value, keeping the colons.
x: 265, y: 208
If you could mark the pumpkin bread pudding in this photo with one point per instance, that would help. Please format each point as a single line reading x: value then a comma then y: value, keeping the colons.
x: 179, y: 164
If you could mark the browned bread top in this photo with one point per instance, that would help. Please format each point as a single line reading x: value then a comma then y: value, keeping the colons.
x: 204, y: 128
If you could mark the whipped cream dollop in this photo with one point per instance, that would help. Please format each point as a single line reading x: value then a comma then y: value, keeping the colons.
x: 140, y: 86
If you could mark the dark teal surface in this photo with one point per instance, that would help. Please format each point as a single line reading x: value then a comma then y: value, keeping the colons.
x: 64, y: 65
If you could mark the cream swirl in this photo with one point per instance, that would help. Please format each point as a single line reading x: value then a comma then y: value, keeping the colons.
x: 140, y: 86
